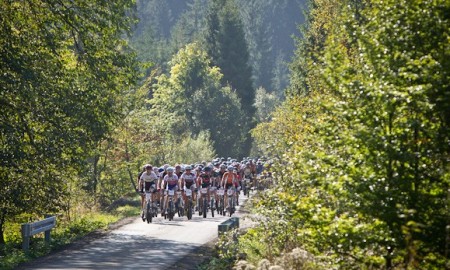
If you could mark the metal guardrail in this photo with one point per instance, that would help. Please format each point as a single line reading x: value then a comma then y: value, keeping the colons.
x: 30, y: 229
x: 228, y: 225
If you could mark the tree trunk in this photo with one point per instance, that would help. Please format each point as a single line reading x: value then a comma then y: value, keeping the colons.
x: 127, y: 158
x: 2, y: 222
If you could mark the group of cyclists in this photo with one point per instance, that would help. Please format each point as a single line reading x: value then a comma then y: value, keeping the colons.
x: 197, y: 182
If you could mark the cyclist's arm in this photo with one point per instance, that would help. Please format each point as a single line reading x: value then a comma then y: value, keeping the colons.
x: 181, y: 182
x: 222, y: 183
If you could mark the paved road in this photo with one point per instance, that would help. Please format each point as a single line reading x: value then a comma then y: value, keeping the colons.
x: 139, y: 245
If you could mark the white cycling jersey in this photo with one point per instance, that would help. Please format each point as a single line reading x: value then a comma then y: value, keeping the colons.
x: 148, y: 177
x: 188, y: 177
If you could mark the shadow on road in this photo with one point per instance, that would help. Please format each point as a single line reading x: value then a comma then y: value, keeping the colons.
x: 119, y: 251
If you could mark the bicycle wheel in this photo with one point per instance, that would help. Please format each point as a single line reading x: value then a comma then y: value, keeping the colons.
x: 205, y: 207
x: 222, y: 206
x: 148, y: 214
x: 189, y: 210
x: 178, y: 207
x: 171, y: 210
x: 212, y: 207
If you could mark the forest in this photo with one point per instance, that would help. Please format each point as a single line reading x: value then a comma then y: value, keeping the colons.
x: 350, y: 99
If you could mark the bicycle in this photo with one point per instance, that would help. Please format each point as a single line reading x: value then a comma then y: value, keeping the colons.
x: 150, y: 209
x: 179, y: 204
x: 231, y: 201
x: 212, y: 191
x: 247, y: 185
x: 188, y: 194
x: 204, y: 204
x: 220, y: 203
x: 170, y: 213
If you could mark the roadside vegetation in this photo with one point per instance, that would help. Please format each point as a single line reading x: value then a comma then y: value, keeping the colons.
x: 358, y: 127
x: 361, y: 143
x: 85, y: 222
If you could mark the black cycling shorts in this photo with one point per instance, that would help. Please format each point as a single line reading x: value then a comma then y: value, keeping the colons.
x: 206, y: 185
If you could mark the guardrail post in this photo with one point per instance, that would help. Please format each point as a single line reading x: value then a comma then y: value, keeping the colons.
x: 47, y: 233
x: 26, y: 232
x: 30, y: 229
x: 235, y: 222
x: 228, y: 225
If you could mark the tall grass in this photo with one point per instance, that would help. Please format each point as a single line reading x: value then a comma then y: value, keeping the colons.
x: 65, y: 232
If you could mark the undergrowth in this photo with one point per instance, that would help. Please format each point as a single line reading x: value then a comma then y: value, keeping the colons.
x: 65, y: 232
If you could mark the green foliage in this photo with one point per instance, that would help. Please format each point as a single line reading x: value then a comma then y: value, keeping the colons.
x: 193, y: 100
x: 362, y: 140
x: 64, y: 67
x: 191, y: 25
x: 225, y: 43
x: 269, y: 26
x: 192, y: 149
x: 264, y: 103
x: 64, y: 233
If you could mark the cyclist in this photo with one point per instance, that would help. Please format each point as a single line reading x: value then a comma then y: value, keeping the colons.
x: 160, y: 195
x: 178, y: 171
x: 187, y: 181
x: 170, y: 182
x: 147, y: 179
x: 229, y: 180
x: 204, y: 180
x: 259, y: 167
x: 216, y: 183
x: 246, y: 172
x: 253, y: 167
x: 139, y: 187
x: 237, y: 184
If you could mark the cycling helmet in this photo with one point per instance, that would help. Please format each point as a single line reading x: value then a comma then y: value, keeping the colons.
x: 230, y: 168
x: 188, y: 167
x: 223, y: 166
x: 170, y: 169
x: 148, y: 167
x: 161, y: 169
x: 207, y: 169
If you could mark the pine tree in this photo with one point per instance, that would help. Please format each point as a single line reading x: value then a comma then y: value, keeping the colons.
x: 226, y: 44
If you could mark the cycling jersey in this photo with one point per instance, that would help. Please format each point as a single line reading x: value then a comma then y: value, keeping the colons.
x: 247, y: 171
x: 221, y: 173
x: 149, y: 179
x: 229, y: 177
x: 172, y: 181
x: 188, y: 179
x: 206, y: 180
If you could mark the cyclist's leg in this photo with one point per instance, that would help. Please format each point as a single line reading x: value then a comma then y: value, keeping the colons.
x: 166, y: 201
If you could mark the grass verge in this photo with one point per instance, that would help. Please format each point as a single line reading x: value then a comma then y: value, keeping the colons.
x: 11, y: 254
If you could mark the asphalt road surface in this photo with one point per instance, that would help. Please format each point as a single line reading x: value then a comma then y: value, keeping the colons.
x: 161, y: 244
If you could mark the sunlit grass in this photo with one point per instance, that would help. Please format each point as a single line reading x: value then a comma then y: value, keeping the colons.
x: 85, y: 222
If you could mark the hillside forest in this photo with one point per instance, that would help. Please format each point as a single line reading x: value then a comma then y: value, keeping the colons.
x: 349, y: 99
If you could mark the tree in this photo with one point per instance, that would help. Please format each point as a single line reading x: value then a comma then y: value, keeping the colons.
x: 226, y: 44
x: 265, y: 104
x: 269, y: 26
x: 365, y: 138
x: 195, y: 99
x: 190, y: 26
x: 63, y: 69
